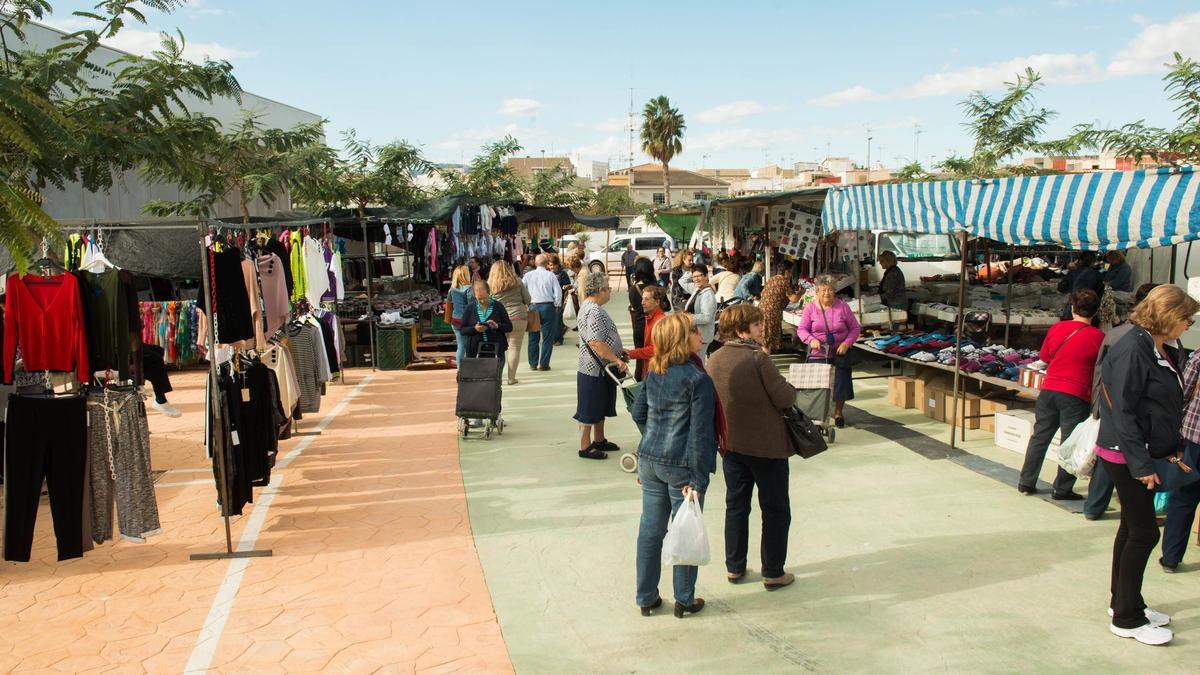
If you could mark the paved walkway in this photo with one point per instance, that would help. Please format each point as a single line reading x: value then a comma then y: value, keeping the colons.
x: 374, y: 567
x: 904, y: 563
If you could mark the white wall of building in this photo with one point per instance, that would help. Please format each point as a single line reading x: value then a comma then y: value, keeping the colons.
x: 130, y: 191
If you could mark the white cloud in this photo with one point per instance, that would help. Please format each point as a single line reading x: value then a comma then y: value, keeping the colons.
x: 1153, y: 46
x: 735, y: 110
x: 145, y: 42
x: 1055, y: 69
x: 519, y: 106
x: 855, y: 94
x: 201, y: 7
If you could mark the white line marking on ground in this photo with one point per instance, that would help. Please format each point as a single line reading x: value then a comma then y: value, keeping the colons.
x: 222, y: 605
x: 184, y: 483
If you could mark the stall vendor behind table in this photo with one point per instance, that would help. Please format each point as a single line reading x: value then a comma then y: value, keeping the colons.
x: 1083, y: 276
x: 892, y: 289
x: 1119, y: 275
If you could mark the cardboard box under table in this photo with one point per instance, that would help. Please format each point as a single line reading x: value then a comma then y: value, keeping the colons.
x: 902, y: 392
x: 1014, y: 429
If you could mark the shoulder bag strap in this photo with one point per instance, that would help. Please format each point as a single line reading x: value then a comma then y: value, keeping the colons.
x: 1060, y: 345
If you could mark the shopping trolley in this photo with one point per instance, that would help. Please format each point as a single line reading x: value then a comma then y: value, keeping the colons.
x: 813, y: 381
x: 479, y: 392
x: 629, y: 388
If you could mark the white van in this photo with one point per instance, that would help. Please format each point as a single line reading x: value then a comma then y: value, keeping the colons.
x: 609, y: 257
x: 917, y: 255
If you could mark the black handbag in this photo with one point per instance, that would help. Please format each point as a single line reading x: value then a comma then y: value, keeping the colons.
x: 803, y: 435
x: 1174, y: 474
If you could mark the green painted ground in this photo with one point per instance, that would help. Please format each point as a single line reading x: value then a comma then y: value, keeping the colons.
x: 904, y: 564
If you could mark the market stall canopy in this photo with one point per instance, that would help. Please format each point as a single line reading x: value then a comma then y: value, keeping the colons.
x: 1088, y: 211
x: 679, y: 226
x: 933, y: 207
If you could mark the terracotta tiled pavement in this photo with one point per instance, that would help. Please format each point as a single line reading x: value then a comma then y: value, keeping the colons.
x: 374, y: 566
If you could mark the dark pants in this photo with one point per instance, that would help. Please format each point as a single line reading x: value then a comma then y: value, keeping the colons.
x: 1136, y: 538
x: 1177, y: 530
x: 742, y: 474
x: 155, y: 370
x: 541, y: 343
x: 1100, y: 491
x: 1055, y: 411
x: 560, y: 332
x: 628, y: 276
x: 45, y: 438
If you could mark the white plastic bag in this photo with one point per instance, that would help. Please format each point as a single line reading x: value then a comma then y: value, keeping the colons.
x: 1077, y: 454
x: 686, y: 542
x: 568, y: 309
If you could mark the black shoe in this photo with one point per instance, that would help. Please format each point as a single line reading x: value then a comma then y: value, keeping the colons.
x: 1167, y: 567
x: 1093, y: 516
x: 647, y: 611
x: 681, y: 609
x: 1026, y: 490
x: 839, y: 422
x: 543, y: 368
x: 1067, y: 496
x: 607, y: 446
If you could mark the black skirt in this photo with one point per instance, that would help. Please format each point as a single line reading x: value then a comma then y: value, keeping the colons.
x: 596, y: 398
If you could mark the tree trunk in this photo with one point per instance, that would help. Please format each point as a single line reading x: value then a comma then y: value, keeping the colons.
x: 666, y: 184
x: 245, y: 209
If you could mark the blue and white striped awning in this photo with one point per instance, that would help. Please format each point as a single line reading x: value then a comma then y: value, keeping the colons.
x: 1103, y: 210
x: 896, y: 207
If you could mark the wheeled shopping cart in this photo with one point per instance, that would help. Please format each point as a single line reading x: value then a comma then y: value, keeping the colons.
x: 813, y: 381
x: 479, y: 392
x: 629, y: 389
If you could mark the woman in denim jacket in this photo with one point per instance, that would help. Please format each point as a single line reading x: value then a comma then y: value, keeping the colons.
x: 678, y: 453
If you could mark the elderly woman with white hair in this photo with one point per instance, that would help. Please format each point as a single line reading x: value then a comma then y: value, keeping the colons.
x: 599, y: 347
x: 829, y: 328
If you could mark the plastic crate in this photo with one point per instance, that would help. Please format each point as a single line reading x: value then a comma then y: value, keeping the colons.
x: 440, y: 326
x: 393, y: 347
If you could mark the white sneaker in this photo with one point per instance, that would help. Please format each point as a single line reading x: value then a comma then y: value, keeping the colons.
x: 1148, y: 634
x: 1154, y: 617
x: 166, y: 409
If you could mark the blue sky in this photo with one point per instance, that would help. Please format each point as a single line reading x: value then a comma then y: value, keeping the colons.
x: 757, y: 81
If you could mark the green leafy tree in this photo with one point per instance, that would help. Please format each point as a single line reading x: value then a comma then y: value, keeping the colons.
x: 556, y: 187
x: 64, y: 118
x: 488, y: 177
x: 247, y: 162
x: 1002, y: 127
x: 1180, y: 145
x: 913, y: 172
x: 662, y: 136
x: 366, y: 174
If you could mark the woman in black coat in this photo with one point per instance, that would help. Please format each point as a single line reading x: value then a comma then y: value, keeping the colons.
x: 643, y: 276
x: 486, y: 321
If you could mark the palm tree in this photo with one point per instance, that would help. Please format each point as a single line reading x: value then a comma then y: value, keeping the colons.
x: 1002, y: 127
x: 662, y: 136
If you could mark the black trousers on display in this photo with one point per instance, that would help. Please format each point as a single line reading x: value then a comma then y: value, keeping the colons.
x: 742, y: 474
x: 1136, y: 538
x: 45, y: 438
x: 1055, y: 411
x: 155, y: 370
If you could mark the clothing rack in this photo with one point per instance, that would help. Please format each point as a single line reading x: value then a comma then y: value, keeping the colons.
x: 217, y: 438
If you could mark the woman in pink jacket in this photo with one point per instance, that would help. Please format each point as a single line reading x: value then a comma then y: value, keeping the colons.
x: 829, y: 329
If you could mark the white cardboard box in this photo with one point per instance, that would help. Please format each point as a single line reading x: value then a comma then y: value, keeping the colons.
x: 1015, y: 427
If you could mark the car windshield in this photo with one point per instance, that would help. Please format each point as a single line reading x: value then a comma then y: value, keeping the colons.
x: 619, y: 245
x: 919, y: 246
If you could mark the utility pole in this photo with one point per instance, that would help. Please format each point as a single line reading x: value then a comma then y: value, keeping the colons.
x: 631, y: 128
x: 917, y: 142
x: 869, y: 139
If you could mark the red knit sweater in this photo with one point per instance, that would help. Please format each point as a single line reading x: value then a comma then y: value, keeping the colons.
x: 45, y: 317
x: 1071, y: 364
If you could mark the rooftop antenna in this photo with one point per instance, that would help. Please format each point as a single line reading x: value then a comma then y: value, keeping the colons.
x: 631, y: 127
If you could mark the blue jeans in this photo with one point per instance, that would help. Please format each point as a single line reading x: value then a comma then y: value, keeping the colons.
x: 1177, y: 530
x: 541, y: 343
x: 461, y: 351
x: 662, y: 493
x: 1100, y: 492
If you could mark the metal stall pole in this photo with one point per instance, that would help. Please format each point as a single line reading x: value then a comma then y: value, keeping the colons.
x: 1008, y: 304
x: 337, y: 311
x: 958, y: 330
x: 216, y: 438
x: 370, y: 295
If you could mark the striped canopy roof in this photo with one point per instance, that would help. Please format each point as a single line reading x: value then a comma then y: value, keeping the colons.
x: 1102, y: 210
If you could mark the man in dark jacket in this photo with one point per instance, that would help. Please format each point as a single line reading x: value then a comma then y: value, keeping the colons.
x: 1083, y: 275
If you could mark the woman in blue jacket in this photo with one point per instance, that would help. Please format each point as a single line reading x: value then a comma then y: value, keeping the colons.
x: 678, y: 453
